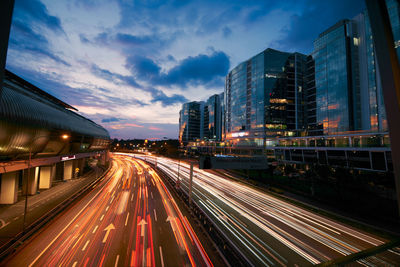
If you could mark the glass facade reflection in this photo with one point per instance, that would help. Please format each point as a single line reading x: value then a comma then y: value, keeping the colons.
x: 333, y: 85
x: 213, y: 117
x: 190, y: 122
x: 264, y: 97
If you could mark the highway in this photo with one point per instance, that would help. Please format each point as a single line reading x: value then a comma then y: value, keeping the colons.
x: 128, y: 219
x: 268, y: 231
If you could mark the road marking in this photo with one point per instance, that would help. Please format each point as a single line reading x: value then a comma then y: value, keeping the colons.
x: 63, y: 230
x: 126, y: 220
x: 155, y: 215
x: 112, y: 198
x: 142, y: 223
x: 94, y: 231
x: 101, y: 218
x: 84, y: 247
x: 132, y: 197
x: 108, y: 229
x: 161, y: 257
x: 75, y: 263
x: 151, y: 193
x: 116, y: 261
x: 107, y: 207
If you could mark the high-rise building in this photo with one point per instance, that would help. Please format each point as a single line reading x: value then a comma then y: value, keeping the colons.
x: 264, y: 98
x: 335, y: 90
x: 191, y: 122
x: 213, y: 117
x: 346, y: 81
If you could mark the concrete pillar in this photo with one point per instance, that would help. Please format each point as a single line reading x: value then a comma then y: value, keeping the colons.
x: 9, y: 188
x: 45, y: 177
x: 30, y: 180
x: 68, y: 169
x: 81, y: 165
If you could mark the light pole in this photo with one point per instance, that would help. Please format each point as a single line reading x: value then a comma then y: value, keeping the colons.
x: 65, y: 137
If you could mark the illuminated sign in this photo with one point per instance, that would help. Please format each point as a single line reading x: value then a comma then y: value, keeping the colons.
x: 67, y: 158
x: 240, y: 134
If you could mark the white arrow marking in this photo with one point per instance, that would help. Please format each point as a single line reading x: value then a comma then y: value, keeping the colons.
x: 142, y: 228
x: 108, y: 229
x: 3, y: 224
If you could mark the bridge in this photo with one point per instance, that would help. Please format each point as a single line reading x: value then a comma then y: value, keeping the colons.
x: 358, y: 150
x: 42, y: 138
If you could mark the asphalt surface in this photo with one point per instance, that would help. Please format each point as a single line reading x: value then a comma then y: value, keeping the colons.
x: 128, y: 219
x: 268, y: 231
x: 12, y: 216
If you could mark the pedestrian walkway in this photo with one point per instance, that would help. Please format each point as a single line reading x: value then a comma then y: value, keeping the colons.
x: 12, y: 216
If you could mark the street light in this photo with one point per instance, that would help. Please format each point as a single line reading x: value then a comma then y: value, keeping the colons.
x: 64, y: 137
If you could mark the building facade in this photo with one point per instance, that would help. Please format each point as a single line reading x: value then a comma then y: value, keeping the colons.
x: 191, y: 119
x: 213, y: 110
x: 264, y: 98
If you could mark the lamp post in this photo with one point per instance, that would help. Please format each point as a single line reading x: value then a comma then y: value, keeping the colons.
x: 64, y: 137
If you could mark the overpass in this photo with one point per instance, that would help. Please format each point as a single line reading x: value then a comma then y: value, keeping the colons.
x: 41, y: 138
x: 369, y: 151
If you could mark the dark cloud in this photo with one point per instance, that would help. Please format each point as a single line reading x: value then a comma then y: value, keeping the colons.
x: 159, y: 96
x: 143, y: 67
x: 198, y: 70
x: 34, y: 11
x: 316, y: 18
x: 132, y: 39
x: 112, y: 119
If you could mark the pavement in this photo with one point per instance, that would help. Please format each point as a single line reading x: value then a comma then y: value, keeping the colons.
x: 267, y: 230
x: 128, y: 219
x: 12, y: 216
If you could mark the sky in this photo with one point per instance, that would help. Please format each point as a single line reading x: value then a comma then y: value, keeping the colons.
x: 129, y: 65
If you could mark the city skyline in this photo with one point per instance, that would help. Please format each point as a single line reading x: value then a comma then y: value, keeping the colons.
x: 130, y: 67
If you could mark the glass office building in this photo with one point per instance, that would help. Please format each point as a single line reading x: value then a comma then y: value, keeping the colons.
x: 333, y: 83
x: 213, y: 117
x: 190, y: 122
x: 264, y: 98
x: 346, y: 80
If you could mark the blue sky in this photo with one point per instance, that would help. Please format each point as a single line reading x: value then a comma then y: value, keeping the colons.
x: 129, y: 65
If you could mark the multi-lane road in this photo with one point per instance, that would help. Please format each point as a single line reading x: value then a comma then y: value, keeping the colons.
x: 266, y: 230
x: 128, y: 219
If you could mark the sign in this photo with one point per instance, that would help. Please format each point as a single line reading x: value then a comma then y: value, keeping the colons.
x: 233, y: 163
x: 64, y: 158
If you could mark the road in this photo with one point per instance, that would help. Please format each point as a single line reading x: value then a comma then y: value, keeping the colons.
x: 128, y: 219
x: 268, y: 231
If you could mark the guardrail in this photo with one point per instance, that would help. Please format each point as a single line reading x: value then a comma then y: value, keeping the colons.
x: 11, y: 246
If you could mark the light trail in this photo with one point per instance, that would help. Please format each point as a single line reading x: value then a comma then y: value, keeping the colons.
x: 269, y: 230
x: 113, y: 225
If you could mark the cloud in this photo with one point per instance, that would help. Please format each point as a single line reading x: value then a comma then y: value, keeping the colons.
x: 156, y: 94
x: 112, y: 119
x: 159, y: 96
x: 114, y: 77
x: 143, y: 67
x: 198, y: 70
x: 36, y: 12
x: 305, y: 27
